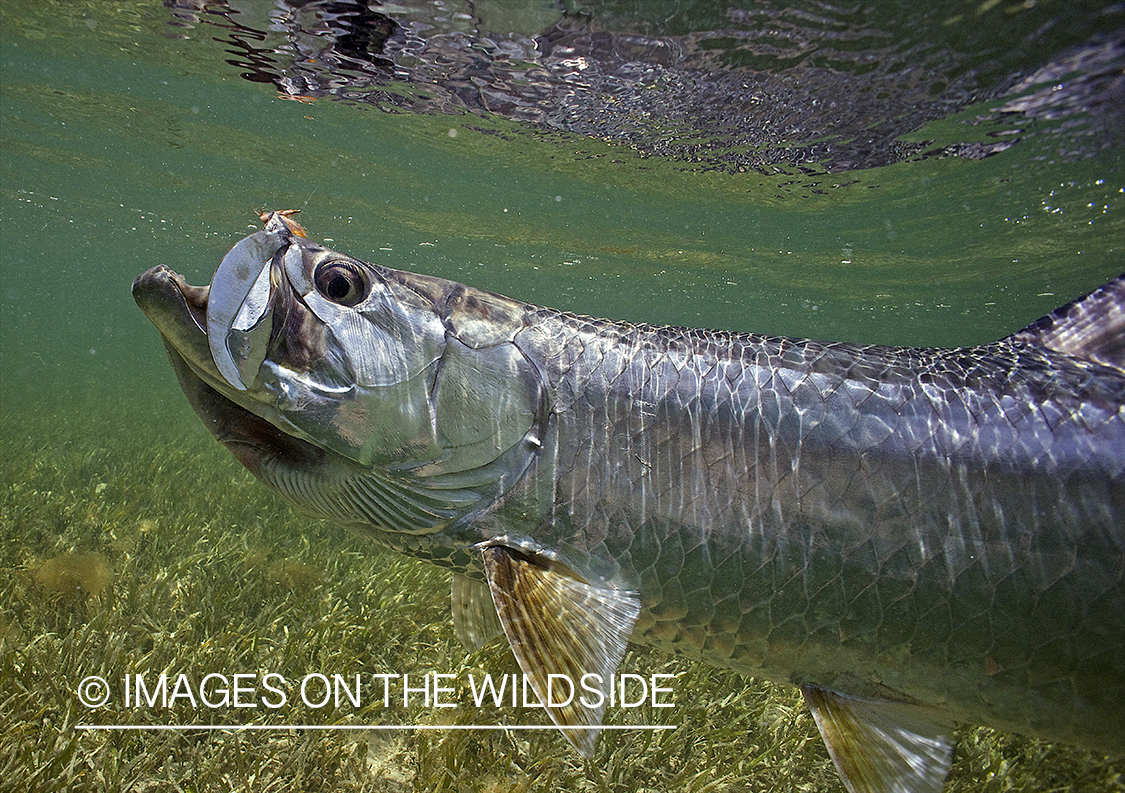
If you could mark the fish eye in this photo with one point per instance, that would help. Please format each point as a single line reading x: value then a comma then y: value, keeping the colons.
x: 341, y: 282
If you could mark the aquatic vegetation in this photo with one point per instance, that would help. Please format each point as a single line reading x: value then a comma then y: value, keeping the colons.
x: 292, y: 575
x: 75, y: 575
x: 212, y: 573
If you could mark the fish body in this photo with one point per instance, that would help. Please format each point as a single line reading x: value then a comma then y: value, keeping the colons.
x: 912, y: 536
x: 943, y: 526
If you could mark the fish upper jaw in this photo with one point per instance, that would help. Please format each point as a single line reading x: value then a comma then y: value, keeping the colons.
x: 240, y: 307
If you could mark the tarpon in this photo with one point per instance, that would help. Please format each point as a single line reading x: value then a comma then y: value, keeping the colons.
x: 912, y: 536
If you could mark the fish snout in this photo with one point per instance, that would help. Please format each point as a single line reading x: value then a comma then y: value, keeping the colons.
x: 164, y: 296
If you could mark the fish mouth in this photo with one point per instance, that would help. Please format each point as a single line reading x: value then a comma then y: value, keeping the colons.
x: 179, y: 312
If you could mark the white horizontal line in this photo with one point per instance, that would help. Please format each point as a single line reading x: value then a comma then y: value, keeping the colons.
x: 326, y: 727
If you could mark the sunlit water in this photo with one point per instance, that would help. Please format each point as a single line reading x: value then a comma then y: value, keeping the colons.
x: 128, y: 141
x: 132, y: 134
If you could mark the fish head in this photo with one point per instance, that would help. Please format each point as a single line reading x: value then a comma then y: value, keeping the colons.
x: 344, y: 384
x: 404, y: 406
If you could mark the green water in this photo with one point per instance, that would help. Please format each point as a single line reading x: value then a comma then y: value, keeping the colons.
x: 123, y: 146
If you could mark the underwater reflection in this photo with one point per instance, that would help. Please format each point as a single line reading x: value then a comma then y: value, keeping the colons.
x: 776, y: 85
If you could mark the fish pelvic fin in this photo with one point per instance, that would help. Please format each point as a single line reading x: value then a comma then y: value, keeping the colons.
x: 567, y: 635
x: 1091, y: 327
x: 474, y: 614
x: 880, y: 746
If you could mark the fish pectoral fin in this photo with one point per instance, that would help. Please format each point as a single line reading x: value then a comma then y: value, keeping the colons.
x: 474, y: 614
x: 567, y: 635
x: 880, y: 746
